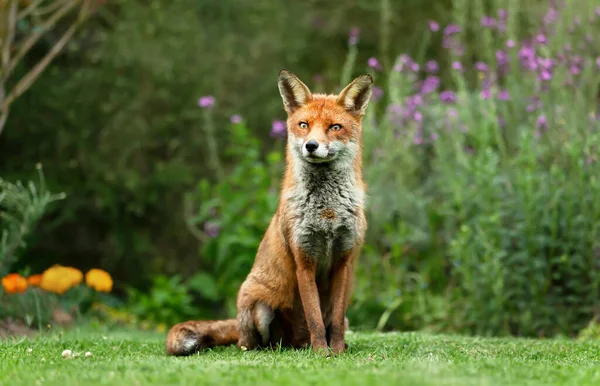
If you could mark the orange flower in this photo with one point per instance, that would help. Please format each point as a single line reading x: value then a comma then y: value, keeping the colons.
x: 14, y: 283
x: 34, y: 280
x: 99, y: 280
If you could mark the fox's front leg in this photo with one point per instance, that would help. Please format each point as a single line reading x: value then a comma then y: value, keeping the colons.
x: 309, y: 295
x: 340, y: 292
x: 340, y: 288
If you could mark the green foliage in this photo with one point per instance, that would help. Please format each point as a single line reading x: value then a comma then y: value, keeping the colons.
x: 491, y: 228
x: 21, y: 208
x: 168, y: 301
x: 233, y: 214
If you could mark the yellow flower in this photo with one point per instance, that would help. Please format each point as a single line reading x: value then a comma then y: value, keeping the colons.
x: 57, y: 279
x: 14, y: 283
x: 60, y: 279
x: 99, y: 280
x: 75, y: 275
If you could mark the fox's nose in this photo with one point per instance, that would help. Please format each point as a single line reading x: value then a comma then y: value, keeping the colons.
x: 311, y: 145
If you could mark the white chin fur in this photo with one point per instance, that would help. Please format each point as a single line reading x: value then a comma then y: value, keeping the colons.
x: 318, y: 160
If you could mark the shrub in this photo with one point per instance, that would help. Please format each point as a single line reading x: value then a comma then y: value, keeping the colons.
x: 231, y: 216
x: 484, y: 192
x: 21, y: 208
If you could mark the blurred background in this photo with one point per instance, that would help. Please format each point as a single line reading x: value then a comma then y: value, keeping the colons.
x: 143, y: 140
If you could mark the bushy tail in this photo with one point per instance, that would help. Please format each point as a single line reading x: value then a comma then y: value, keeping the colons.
x: 190, y: 337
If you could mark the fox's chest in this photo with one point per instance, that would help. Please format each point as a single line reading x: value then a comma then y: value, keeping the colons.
x: 326, y: 221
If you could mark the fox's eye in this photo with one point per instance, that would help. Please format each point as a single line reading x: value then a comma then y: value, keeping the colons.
x: 336, y: 127
x: 303, y: 125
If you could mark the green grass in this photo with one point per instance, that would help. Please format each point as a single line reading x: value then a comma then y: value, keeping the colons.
x: 137, y: 358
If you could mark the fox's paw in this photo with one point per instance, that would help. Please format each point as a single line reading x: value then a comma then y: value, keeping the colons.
x: 338, y: 347
x: 319, y: 346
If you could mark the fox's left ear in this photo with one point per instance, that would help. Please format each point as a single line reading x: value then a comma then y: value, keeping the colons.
x: 293, y: 92
x: 355, y: 96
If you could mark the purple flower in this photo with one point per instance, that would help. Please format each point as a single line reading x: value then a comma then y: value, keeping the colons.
x: 550, y: 16
x: 503, y: 95
x: 481, y: 67
x: 412, y: 102
x: 206, y: 102
x: 545, y: 75
x: 434, y: 26
x: 598, y: 62
x: 488, y: 21
x: 377, y: 93
x: 434, y: 136
x: 417, y: 116
x: 503, y: 15
x: 574, y: 69
x: 501, y: 57
x: 485, y: 94
x: 457, y: 66
x: 418, y: 140
x: 503, y: 61
x: 353, y: 36
x: 510, y: 43
x: 451, y: 29
x: 430, y: 84
x: 236, y: 118
x: 279, y: 129
x: 431, y: 66
x: 545, y: 63
x: 526, y: 52
x: 396, y: 108
x: 404, y: 61
x: 541, y: 122
x: 374, y: 64
x: 448, y: 97
x: 527, y: 56
x: 454, y: 45
x: 211, y: 229
x: 452, y: 113
x: 541, y: 38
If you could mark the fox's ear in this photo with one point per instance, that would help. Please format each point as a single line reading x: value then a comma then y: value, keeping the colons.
x: 355, y: 96
x: 293, y: 92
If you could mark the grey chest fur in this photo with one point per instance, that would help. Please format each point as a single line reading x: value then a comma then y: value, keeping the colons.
x: 324, y: 209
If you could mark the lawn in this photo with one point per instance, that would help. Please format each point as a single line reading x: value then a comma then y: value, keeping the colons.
x: 137, y: 358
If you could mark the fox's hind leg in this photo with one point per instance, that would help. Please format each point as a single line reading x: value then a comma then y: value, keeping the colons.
x: 254, y: 325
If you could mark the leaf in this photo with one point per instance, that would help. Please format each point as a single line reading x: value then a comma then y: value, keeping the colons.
x: 203, y: 283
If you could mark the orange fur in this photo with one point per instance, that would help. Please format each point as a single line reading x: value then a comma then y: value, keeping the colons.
x: 299, y: 287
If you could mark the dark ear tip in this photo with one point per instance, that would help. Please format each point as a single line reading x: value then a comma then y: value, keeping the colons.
x: 366, y: 77
x: 285, y: 72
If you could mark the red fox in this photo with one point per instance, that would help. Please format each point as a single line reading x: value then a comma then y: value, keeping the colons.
x: 299, y: 287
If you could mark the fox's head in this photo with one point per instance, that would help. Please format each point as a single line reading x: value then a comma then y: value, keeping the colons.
x: 324, y: 128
